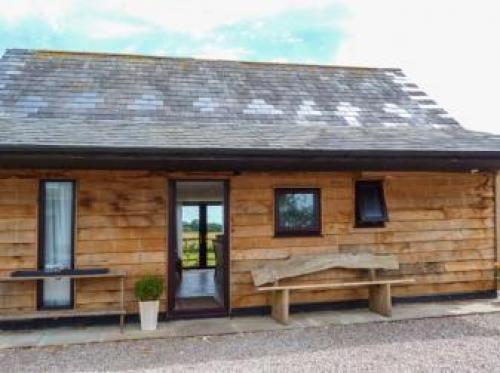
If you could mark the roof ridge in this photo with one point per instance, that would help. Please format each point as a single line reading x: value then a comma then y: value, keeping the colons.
x: 52, y: 52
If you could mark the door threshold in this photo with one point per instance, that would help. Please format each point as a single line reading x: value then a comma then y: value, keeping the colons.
x: 196, y: 314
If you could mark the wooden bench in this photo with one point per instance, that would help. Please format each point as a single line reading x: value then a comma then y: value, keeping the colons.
x: 56, y: 314
x: 379, y: 290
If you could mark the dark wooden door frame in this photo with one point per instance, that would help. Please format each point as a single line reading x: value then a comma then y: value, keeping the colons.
x: 171, y: 255
x: 202, y: 231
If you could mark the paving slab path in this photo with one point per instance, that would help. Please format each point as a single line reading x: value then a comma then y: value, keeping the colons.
x: 461, y: 343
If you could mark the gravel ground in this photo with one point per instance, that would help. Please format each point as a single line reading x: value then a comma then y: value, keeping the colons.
x: 465, y: 343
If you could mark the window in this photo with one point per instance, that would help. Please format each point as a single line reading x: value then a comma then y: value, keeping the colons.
x: 297, y: 212
x: 56, y: 242
x: 371, y: 210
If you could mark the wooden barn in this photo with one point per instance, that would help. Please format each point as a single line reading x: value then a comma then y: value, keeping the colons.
x: 113, y: 167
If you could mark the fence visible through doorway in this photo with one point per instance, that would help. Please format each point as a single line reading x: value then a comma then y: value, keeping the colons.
x: 191, y: 250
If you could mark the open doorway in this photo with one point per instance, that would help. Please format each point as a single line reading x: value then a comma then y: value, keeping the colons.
x: 198, y: 248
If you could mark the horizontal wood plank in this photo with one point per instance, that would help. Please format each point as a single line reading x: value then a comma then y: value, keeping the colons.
x: 441, y: 229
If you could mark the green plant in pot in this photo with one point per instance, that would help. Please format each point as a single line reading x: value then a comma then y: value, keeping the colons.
x: 148, y: 291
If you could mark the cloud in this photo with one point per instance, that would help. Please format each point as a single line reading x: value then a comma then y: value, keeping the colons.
x: 198, y: 17
x: 193, y: 17
x: 217, y: 52
x: 105, y: 29
x: 52, y: 12
x: 227, y: 29
x: 448, y: 47
x: 295, y: 30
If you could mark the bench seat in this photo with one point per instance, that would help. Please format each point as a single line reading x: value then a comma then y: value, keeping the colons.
x: 379, y: 295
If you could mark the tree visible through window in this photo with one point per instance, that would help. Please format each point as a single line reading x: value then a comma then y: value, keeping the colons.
x: 297, y: 212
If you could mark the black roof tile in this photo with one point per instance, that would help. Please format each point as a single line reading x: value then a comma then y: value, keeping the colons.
x: 120, y: 101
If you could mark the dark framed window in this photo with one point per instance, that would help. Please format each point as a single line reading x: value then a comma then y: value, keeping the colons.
x: 297, y: 212
x: 56, y: 242
x: 371, y: 210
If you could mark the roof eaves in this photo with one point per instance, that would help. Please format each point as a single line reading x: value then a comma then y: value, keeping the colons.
x: 246, y: 152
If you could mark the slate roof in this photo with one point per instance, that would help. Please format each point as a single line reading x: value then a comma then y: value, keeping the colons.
x: 85, y: 100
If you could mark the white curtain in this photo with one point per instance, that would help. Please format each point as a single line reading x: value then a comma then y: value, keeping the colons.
x: 57, y: 246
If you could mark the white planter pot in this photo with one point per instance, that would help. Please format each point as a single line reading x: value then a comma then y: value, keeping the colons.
x: 149, y: 314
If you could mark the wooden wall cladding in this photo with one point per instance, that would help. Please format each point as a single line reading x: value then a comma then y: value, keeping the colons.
x: 18, y: 249
x: 441, y: 228
x: 121, y: 224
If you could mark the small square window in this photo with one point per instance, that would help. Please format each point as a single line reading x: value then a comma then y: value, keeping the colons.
x: 371, y: 210
x: 297, y: 212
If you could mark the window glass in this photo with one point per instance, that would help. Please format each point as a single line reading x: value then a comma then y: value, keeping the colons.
x: 370, y: 204
x: 190, y: 233
x: 57, y: 253
x: 297, y: 211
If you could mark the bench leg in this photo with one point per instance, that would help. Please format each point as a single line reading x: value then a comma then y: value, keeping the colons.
x: 122, y: 323
x: 280, y: 305
x: 379, y: 300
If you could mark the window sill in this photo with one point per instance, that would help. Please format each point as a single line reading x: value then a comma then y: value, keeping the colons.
x: 298, y: 234
x: 369, y: 228
x: 55, y: 308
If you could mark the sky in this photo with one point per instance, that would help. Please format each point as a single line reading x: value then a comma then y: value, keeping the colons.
x: 449, y: 47
x: 214, y: 214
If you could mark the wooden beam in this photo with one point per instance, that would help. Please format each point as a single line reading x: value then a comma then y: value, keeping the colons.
x: 339, y: 285
x: 134, y: 159
x: 379, y: 299
x: 280, y: 303
x: 306, y: 264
